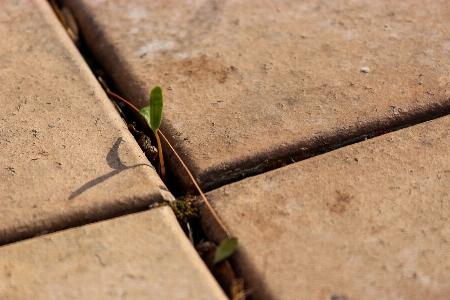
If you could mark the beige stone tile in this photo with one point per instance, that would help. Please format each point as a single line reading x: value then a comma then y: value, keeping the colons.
x: 66, y: 158
x: 250, y: 84
x: 139, y: 256
x: 367, y: 221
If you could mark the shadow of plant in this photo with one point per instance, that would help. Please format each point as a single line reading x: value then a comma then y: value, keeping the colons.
x: 113, y: 160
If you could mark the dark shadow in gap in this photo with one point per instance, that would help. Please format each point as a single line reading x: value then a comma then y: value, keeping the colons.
x: 114, y: 162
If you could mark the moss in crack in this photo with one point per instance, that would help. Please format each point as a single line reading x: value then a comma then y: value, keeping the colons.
x: 184, y: 211
x: 188, y: 216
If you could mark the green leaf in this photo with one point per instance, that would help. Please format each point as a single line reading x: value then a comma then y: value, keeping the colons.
x: 225, y: 249
x: 153, y: 112
x: 156, y: 107
x: 145, y: 112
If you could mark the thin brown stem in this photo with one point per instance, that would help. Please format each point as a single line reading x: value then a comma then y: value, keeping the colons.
x: 197, y: 186
x: 182, y: 163
x: 123, y: 100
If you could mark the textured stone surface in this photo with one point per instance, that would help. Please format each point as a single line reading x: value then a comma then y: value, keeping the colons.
x: 139, y: 256
x: 66, y: 158
x: 367, y: 221
x: 250, y: 84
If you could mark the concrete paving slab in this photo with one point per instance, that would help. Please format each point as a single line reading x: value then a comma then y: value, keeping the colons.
x: 139, y: 256
x: 66, y: 158
x: 250, y: 84
x: 367, y: 221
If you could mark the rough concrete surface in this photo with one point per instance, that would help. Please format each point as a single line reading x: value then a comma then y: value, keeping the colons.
x: 66, y: 157
x: 367, y: 221
x: 139, y: 256
x: 250, y: 84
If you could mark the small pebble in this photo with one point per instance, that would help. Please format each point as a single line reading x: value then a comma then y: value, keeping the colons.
x: 365, y: 69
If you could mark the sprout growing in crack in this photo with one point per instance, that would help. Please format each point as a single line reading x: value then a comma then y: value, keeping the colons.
x: 146, y: 115
x: 153, y: 116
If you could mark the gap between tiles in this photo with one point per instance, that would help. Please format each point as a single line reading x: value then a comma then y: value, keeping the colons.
x: 185, y: 209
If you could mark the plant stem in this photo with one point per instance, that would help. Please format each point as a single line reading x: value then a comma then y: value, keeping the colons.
x: 161, y: 159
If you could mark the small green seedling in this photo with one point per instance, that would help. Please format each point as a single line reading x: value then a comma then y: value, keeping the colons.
x: 225, y: 249
x: 153, y: 116
x: 146, y: 112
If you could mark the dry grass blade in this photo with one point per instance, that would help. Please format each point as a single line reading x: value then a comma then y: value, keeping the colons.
x: 205, y: 200
x: 197, y: 186
x: 121, y: 99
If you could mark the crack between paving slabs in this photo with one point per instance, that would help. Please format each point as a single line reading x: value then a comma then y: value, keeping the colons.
x: 184, y: 211
x: 301, y: 150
